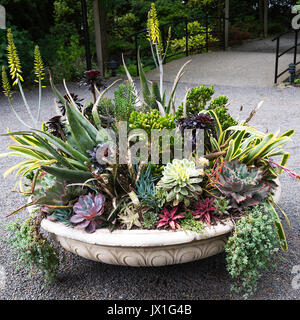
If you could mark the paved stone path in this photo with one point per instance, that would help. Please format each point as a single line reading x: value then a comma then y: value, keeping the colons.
x: 249, y: 65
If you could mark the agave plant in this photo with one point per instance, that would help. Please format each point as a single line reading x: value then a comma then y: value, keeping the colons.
x: 169, y: 219
x: 180, y: 181
x: 87, y: 210
x: 243, y: 185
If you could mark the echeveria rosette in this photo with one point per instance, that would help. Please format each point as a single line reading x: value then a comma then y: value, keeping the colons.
x: 244, y: 186
x: 181, y: 181
x: 88, y: 208
x: 169, y: 219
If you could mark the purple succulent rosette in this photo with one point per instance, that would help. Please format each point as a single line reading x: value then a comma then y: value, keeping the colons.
x: 87, y: 209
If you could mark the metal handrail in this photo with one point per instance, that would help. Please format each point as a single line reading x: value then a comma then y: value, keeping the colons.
x: 292, y: 66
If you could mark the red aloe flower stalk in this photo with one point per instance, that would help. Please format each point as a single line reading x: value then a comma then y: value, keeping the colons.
x: 292, y: 174
x: 204, y: 209
x: 168, y: 219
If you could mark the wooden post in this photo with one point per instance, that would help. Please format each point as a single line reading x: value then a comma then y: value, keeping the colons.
x: 266, y: 9
x: 2, y: 18
x: 86, y: 35
x: 226, y: 25
x: 100, y: 34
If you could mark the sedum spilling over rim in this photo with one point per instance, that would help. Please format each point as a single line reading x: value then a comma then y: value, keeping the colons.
x: 143, y: 247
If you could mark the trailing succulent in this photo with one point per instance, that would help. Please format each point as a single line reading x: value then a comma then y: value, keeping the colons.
x: 251, y: 249
x: 32, y: 250
x: 243, y: 185
x: 180, y: 181
x: 88, y: 212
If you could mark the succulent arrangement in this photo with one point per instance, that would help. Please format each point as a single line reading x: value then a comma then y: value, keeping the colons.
x: 75, y: 175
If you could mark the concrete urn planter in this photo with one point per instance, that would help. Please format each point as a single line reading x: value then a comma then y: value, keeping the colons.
x: 140, y: 248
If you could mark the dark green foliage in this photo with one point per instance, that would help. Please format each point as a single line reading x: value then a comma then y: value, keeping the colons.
x: 33, y: 251
x: 196, y: 101
x: 251, y: 249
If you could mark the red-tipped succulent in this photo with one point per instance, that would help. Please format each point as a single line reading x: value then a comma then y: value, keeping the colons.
x: 204, y: 209
x: 169, y: 219
x: 88, y: 209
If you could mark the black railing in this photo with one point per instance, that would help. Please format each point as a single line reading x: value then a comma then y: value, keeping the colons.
x: 292, y: 66
x: 209, y: 26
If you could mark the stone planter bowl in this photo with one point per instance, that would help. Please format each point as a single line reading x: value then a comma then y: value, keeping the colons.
x: 140, y: 248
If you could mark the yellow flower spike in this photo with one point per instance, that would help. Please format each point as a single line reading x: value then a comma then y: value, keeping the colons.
x: 6, y: 85
x: 39, y: 68
x: 153, y: 27
x: 13, y: 59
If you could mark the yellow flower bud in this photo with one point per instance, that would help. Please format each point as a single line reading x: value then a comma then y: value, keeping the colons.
x: 38, y: 65
x: 6, y: 85
x: 13, y: 59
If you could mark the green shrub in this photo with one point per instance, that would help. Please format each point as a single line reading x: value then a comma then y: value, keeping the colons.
x: 250, y: 250
x: 196, y: 101
x: 33, y: 251
x: 196, y: 39
x: 70, y: 61
x: 151, y: 120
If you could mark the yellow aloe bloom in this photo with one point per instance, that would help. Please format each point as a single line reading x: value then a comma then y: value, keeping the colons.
x: 153, y: 27
x: 13, y: 59
x: 38, y: 65
x: 6, y: 85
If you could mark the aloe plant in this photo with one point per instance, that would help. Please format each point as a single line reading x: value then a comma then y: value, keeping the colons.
x: 15, y: 67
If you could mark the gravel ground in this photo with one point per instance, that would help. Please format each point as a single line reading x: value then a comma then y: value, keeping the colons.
x: 205, y: 279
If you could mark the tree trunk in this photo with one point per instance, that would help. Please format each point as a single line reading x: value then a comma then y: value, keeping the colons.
x: 261, y: 12
x: 100, y: 34
x: 226, y: 26
x: 266, y: 9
